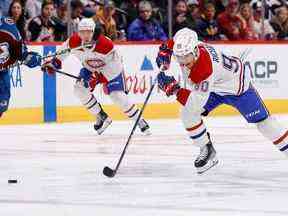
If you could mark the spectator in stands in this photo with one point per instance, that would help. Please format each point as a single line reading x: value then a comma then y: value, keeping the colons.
x: 180, y: 16
x: 33, y: 8
x: 16, y: 12
x: 263, y: 32
x: 194, y: 9
x: 61, y: 23
x: 207, y: 26
x: 42, y: 27
x: 106, y: 20
x: 247, y: 14
x: 231, y: 23
x: 145, y: 27
x: 131, y: 7
x: 280, y: 23
x: 76, y: 14
x: 4, y: 7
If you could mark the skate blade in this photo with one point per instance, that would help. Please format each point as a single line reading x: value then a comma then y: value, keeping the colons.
x: 208, y: 166
x: 106, y: 123
x: 147, y: 132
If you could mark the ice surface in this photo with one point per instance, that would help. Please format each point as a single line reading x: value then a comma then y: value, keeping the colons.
x: 59, y: 169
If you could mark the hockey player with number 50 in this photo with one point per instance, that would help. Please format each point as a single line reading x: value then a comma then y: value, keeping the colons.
x: 101, y: 64
x: 214, y: 78
x: 12, y: 51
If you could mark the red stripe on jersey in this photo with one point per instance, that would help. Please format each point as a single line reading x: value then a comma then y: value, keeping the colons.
x: 281, y: 138
x: 202, y: 68
x: 182, y: 96
x: 104, y: 45
x: 75, y: 41
x: 195, y: 127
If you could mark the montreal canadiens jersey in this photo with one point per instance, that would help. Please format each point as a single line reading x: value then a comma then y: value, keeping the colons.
x: 215, y: 71
x: 102, y: 58
x: 11, y: 45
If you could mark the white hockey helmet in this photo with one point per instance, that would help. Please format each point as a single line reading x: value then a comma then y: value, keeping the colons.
x: 86, y: 24
x: 185, y: 42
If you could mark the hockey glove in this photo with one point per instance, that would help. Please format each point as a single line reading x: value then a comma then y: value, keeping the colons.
x: 168, y: 84
x: 90, y: 79
x: 32, y: 59
x: 51, y: 66
x: 164, y: 56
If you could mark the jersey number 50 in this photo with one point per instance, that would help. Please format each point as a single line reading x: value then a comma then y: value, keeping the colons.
x: 203, y: 86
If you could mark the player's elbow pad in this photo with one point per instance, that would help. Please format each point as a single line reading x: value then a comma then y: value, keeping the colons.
x: 182, y: 95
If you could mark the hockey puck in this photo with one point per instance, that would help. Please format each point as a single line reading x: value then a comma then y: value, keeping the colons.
x: 12, y: 181
x: 108, y: 172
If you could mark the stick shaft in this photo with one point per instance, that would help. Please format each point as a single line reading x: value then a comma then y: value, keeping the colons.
x: 61, y: 52
x: 135, y: 125
x: 67, y: 74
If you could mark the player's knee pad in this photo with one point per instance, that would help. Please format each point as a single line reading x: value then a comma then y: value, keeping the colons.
x: 190, y: 114
x: 195, y: 126
x: 87, y: 98
x: 81, y: 91
x: 121, y: 99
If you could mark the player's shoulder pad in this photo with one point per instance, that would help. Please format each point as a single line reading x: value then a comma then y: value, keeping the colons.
x: 8, y: 26
x: 103, y: 45
x: 74, y: 41
x: 202, y: 69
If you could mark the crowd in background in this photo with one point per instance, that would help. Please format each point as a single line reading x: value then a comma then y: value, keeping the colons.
x: 136, y: 20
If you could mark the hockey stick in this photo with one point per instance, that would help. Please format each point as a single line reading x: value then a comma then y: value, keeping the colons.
x: 61, y: 52
x: 67, y: 74
x: 107, y: 171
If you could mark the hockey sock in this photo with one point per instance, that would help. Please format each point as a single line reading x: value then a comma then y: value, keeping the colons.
x: 272, y: 130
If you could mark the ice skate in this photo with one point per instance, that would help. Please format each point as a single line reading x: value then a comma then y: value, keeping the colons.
x: 144, y: 127
x: 206, y: 159
x: 102, y: 122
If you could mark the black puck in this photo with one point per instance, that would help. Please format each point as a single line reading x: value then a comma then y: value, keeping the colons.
x: 108, y: 172
x: 12, y: 181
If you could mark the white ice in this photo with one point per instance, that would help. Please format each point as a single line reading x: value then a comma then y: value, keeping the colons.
x: 59, y: 171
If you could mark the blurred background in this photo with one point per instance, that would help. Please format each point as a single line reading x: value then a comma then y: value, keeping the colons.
x: 134, y: 20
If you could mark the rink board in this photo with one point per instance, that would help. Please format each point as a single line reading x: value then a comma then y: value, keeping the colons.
x: 41, y: 98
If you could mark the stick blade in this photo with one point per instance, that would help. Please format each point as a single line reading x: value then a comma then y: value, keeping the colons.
x: 107, y: 171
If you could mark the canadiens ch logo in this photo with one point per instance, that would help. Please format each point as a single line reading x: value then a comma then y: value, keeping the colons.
x: 95, y: 63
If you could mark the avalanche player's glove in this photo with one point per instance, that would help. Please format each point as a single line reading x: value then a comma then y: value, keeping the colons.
x: 51, y: 66
x: 164, y: 56
x: 168, y: 84
x: 32, y: 59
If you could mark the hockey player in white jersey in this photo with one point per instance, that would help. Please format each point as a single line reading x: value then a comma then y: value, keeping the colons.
x: 101, y: 65
x: 213, y: 78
